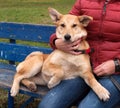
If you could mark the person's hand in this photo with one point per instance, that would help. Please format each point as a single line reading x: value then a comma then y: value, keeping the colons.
x: 106, y: 68
x: 68, y: 47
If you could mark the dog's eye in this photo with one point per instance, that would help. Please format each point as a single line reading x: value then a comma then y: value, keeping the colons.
x: 74, y: 25
x: 62, y: 25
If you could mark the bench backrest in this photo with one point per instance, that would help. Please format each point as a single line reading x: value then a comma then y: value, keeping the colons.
x: 13, y: 35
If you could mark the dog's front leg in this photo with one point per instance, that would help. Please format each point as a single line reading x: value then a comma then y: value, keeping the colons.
x: 55, y: 80
x: 55, y: 72
x: 101, y: 92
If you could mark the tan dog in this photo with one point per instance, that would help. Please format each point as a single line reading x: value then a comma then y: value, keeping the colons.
x: 42, y: 69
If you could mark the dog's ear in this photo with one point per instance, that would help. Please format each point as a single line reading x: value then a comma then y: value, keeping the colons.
x: 54, y: 14
x: 84, y: 20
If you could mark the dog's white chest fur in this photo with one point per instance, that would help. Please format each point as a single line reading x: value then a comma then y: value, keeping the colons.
x: 70, y: 65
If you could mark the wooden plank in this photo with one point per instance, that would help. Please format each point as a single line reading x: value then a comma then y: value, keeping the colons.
x: 28, y: 32
x: 8, y: 66
x: 17, y: 52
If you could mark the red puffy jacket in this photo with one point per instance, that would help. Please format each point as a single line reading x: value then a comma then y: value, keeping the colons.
x: 103, y: 31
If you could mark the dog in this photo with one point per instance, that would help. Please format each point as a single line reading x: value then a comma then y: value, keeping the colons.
x: 50, y: 69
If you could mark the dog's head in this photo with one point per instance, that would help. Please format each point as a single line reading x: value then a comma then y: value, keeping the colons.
x: 69, y: 27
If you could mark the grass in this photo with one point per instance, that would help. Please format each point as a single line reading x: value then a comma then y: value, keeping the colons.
x: 19, y: 99
x: 31, y: 11
x: 28, y: 11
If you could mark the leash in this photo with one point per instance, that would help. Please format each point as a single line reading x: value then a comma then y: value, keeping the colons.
x: 115, y: 82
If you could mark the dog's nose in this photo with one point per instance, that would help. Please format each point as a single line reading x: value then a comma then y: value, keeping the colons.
x: 67, y: 37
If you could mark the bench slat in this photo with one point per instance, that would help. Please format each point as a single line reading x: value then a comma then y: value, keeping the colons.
x: 26, y: 32
x: 17, y: 52
x: 7, y: 66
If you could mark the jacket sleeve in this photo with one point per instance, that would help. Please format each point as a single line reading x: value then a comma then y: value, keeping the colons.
x: 76, y: 8
x: 52, y: 41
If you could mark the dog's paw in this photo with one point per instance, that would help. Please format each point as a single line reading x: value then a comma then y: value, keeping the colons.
x: 103, y: 94
x: 52, y: 83
x: 14, y: 91
x: 32, y: 87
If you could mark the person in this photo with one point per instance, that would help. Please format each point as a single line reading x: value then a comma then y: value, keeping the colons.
x: 104, y: 37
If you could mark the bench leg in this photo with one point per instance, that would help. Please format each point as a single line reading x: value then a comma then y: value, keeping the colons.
x: 31, y: 99
x: 10, y: 101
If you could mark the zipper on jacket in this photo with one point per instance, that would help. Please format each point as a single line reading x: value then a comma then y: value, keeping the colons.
x: 104, y: 7
x: 101, y: 24
x: 103, y: 15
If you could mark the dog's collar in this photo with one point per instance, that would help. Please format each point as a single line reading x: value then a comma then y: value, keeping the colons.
x: 86, y: 51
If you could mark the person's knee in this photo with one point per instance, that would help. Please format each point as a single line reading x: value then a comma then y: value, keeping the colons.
x: 51, y: 102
